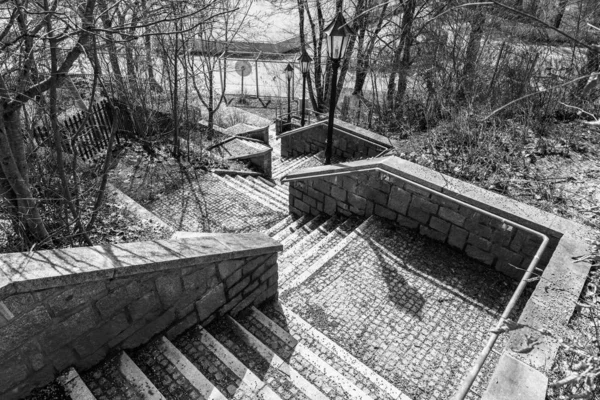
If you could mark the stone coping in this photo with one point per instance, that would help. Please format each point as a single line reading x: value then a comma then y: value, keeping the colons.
x: 348, y: 129
x: 22, y: 272
x: 547, y: 223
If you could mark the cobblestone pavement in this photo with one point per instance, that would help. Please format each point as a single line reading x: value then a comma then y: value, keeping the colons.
x: 209, y: 205
x: 107, y: 383
x: 163, y: 373
x: 212, y: 367
x: 415, y: 311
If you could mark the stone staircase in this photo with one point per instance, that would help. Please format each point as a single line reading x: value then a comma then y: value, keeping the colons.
x: 267, y: 353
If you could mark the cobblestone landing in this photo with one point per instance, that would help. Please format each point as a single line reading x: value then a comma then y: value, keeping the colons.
x: 414, y: 311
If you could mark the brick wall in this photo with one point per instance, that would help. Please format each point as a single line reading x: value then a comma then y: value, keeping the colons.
x: 365, y: 193
x: 122, y: 297
x: 313, y: 138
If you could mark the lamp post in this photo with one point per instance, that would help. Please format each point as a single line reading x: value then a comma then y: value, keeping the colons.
x: 338, y: 36
x: 304, y: 65
x: 289, y: 73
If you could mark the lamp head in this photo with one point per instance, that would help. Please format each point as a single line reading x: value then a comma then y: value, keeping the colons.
x: 289, y: 71
x: 338, y: 36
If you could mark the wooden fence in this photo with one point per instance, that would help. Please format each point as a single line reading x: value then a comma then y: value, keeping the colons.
x: 87, y: 134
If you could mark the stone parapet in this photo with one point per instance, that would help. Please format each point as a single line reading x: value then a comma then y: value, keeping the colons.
x: 349, y: 142
x: 72, y: 307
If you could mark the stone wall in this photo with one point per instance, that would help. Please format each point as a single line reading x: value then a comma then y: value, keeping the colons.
x: 364, y: 193
x: 73, y: 307
x: 348, y: 143
x: 261, y: 134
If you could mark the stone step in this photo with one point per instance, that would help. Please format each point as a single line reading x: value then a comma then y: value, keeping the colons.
x: 204, y: 387
x: 289, y: 330
x: 294, y: 266
x: 291, y: 228
x: 309, y: 241
x: 289, y: 166
x: 303, y: 232
x: 120, y: 377
x: 283, y: 379
x: 268, y: 191
x: 280, y: 225
x: 211, y: 205
x: 320, y: 255
x: 234, y: 184
x: 259, y: 191
x: 324, y: 376
x: 171, y: 373
x: 74, y: 386
x: 224, y: 370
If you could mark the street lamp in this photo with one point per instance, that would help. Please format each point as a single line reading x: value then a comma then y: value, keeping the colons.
x: 338, y: 36
x: 289, y: 73
x: 304, y: 65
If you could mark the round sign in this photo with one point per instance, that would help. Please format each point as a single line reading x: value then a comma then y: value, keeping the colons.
x: 243, y: 68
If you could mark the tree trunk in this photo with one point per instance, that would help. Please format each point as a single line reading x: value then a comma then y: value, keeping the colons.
x: 407, y: 40
x: 469, y: 75
x: 560, y: 12
x: 15, y: 175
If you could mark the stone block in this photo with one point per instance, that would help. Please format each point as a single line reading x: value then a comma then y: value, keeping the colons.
x: 203, y: 277
x: 322, y: 186
x: 479, y: 242
x: 169, y: 288
x: 90, y: 343
x: 514, y: 380
x: 417, y: 190
x: 407, y: 222
x: 210, y: 302
x: 503, y: 235
x: 338, y: 193
x: 20, y: 329
x: 302, y: 206
x: 68, y: 330
x: 256, y: 262
x: 233, y: 279
x: 372, y: 194
x: 451, y: 216
x: 505, y: 254
x: 432, y: 234
x: 309, y: 200
x: 63, y: 358
x: 424, y: 204
x: 418, y: 214
x: 251, y: 288
x: 330, y: 205
x: 518, y: 241
x: 439, y: 225
x: 118, y: 299
x: 358, y: 202
x: 248, y: 301
x: 181, y: 326
x: 19, y: 303
x: 318, y: 196
x: 74, y: 296
x: 480, y: 255
x: 442, y: 201
x: 349, y: 183
x: 399, y: 200
x: 13, y: 370
x: 149, y: 330
x: 237, y: 288
x: 384, y: 212
x: 146, y: 304
x: 473, y: 226
x: 226, y: 268
x: 457, y: 237
x: 269, y: 273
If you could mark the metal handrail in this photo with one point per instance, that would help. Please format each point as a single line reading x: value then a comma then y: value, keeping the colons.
x: 470, y: 377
